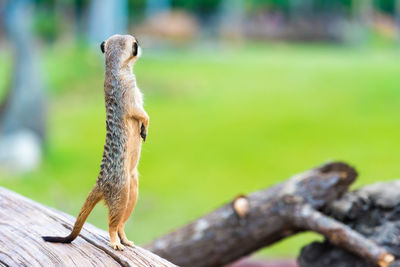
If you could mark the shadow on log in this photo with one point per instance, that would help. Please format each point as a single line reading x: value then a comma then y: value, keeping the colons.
x: 23, y: 222
x: 262, y: 218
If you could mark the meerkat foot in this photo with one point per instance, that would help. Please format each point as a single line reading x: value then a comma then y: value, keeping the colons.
x: 128, y: 243
x: 117, y: 246
x: 143, y: 133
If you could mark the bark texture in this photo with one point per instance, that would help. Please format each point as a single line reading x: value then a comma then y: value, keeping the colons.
x: 234, y: 230
x: 23, y: 222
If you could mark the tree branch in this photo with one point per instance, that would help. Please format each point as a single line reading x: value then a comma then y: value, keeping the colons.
x: 262, y: 218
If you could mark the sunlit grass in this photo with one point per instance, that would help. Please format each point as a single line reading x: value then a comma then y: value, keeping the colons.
x: 222, y: 123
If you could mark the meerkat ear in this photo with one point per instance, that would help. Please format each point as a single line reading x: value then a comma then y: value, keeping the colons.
x: 135, y: 49
x: 102, y: 47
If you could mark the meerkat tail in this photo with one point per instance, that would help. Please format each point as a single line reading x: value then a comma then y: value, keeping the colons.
x: 93, y: 198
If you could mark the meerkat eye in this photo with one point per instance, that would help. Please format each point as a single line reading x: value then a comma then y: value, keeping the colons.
x: 135, y: 49
x: 102, y: 47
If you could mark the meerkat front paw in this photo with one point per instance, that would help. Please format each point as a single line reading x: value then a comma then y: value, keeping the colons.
x: 117, y: 246
x: 143, y: 132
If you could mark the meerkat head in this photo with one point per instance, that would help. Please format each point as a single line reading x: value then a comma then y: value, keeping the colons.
x: 121, y: 50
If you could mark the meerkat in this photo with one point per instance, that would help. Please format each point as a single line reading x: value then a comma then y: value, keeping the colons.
x: 127, y: 123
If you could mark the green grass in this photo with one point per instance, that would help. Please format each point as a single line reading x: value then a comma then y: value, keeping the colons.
x: 223, y: 122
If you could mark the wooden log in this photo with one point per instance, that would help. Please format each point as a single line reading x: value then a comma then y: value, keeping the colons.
x: 265, y: 217
x: 374, y: 212
x: 23, y: 222
x: 341, y: 235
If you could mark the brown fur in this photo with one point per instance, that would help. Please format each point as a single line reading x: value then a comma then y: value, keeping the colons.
x: 127, y: 123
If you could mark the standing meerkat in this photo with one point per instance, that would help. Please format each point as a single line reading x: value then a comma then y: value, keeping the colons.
x: 127, y: 123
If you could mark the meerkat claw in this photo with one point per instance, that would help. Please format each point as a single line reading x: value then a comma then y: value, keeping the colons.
x: 128, y: 243
x: 143, y: 132
x: 118, y: 246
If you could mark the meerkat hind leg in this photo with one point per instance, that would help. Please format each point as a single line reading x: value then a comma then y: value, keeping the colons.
x: 116, y: 213
x: 133, y: 194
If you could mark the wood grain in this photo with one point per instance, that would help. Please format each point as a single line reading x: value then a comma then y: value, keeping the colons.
x: 23, y: 222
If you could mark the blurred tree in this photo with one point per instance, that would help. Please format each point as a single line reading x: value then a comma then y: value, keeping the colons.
x: 157, y: 6
x: 22, y: 122
x: 232, y: 18
x: 200, y: 7
x: 301, y: 8
x: 387, y: 6
x: 107, y: 17
x: 363, y: 11
x: 79, y: 6
x: 362, y: 17
x: 397, y: 17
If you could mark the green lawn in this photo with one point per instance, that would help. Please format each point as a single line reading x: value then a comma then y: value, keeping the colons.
x: 223, y: 122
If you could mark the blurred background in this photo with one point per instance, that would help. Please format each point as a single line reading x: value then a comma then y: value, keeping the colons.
x: 241, y: 95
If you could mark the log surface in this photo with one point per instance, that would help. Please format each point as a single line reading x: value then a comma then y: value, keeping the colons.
x: 23, y: 222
